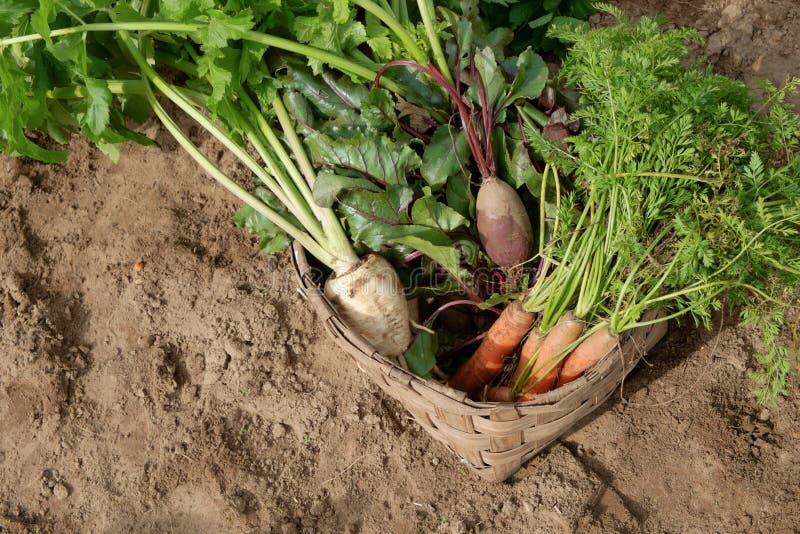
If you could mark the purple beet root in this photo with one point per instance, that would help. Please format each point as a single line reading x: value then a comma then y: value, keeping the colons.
x: 503, y: 224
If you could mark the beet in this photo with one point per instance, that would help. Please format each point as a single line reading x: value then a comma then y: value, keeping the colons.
x: 503, y: 224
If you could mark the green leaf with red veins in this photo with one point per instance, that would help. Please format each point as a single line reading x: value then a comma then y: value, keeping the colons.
x: 374, y: 156
x: 491, y: 75
x: 389, y: 206
x: 445, y: 156
x: 379, y: 110
x: 427, y: 211
x: 445, y: 255
x: 378, y: 218
x: 329, y: 186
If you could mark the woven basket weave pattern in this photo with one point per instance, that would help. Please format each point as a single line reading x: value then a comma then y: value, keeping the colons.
x: 495, y: 439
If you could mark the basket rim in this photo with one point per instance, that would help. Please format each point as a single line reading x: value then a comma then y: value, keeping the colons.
x: 328, y: 314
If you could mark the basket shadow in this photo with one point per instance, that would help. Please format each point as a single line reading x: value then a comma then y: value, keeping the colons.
x: 674, y: 350
x: 677, y: 346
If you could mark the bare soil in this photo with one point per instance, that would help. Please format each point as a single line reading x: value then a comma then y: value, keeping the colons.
x: 199, y: 394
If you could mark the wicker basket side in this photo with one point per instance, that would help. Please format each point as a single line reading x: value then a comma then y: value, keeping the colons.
x: 494, y: 439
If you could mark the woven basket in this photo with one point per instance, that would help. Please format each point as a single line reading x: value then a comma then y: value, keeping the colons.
x: 495, y: 439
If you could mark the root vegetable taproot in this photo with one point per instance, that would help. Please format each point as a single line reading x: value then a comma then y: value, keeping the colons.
x: 501, y: 340
x: 506, y: 394
x: 529, y: 351
x: 503, y: 224
x: 587, y: 354
x: 550, y: 359
x: 371, y: 301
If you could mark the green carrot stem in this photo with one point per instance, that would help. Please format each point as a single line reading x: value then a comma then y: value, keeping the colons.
x: 691, y: 177
x: 534, y: 114
x: 542, y: 213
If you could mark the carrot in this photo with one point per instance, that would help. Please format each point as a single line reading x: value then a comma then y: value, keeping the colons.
x: 503, y: 394
x: 547, y: 366
x: 588, y: 353
x: 529, y: 351
x: 501, y: 340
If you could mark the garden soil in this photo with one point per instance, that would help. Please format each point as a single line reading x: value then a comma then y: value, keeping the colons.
x: 159, y: 374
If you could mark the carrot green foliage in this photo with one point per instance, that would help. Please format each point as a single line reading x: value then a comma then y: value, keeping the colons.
x: 684, y: 197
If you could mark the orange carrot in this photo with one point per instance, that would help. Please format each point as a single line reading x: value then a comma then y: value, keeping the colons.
x: 500, y: 341
x: 588, y: 353
x: 566, y: 331
x: 528, y: 352
x: 503, y: 394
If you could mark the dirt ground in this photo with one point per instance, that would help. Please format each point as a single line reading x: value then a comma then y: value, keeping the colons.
x: 199, y: 394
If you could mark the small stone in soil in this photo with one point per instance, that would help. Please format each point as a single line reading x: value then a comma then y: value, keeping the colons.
x: 60, y: 492
x: 747, y: 426
x: 318, y: 508
x: 24, y: 182
x: 234, y: 349
x: 371, y: 419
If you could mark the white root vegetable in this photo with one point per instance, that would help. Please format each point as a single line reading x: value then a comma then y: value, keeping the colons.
x: 366, y: 292
x: 371, y: 301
